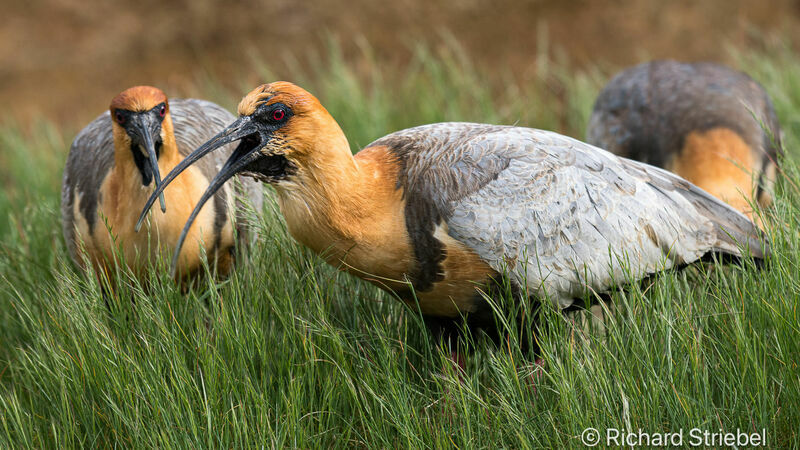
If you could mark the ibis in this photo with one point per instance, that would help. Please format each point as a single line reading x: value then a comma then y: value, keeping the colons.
x: 710, y: 124
x: 441, y: 214
x: 115, y: 163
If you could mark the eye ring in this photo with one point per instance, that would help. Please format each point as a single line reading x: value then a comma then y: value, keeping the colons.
x: 278, y: 115
x: 162, y: 111
x: 120, y: 118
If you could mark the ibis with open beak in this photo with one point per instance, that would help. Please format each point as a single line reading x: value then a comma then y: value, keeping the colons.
x: 711, y: 125
x: 440, y: 213
x: 116, y: 162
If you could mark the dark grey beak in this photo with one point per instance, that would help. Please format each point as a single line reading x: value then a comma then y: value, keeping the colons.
x: 144, y: 129
x: 246, y: 153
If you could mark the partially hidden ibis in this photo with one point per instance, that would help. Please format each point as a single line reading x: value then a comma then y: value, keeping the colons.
x: 712, y: 125
x: 115, y: 163
x: 442, y: 213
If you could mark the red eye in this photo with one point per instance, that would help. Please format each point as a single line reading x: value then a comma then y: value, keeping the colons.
x: 278, y: 115
x: 163, y: 111
x: 120, y: 118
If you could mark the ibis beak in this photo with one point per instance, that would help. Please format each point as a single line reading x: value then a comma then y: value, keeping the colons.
x: 235, y: 131
x: 144, y: 131
x: 246, y: 153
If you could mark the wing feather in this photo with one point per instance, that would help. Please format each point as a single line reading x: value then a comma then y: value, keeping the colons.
x: 563, y: 216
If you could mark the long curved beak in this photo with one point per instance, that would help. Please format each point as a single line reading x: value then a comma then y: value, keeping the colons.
x: 235, y: 131
x: 140, y: 127
x: 238, y: 160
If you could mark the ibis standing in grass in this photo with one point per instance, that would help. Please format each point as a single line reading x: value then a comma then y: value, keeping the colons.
x: 441, y: 212
x: 711, y: 125
x: 114, y: 165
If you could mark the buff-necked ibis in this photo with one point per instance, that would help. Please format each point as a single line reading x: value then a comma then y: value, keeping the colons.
x: 710, y: 124
x: 449, y: 207
x: 114, y: 165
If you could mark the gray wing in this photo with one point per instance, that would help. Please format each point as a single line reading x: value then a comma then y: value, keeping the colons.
x: 90, y: 158
x: 563, y: 216
x: 196, y: 121
x: 645, y: 111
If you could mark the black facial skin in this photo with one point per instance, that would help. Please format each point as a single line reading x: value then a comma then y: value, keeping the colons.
x: 268, y: 168
x: 144, y: 129
x: 255, y: 132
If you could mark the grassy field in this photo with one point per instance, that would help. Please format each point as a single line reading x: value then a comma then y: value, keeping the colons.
x: 290, y: 353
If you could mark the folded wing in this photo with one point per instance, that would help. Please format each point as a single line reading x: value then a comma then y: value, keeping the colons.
x: 562, y: 216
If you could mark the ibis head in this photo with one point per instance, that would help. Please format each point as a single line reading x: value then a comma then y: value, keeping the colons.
x: 281, y: 129
x: 140, y: 120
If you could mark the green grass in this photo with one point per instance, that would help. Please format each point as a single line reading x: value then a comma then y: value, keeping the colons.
x: 291, y: 353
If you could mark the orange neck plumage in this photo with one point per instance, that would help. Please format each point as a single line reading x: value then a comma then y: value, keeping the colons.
x: 125, y: 195
x: 345, y: 208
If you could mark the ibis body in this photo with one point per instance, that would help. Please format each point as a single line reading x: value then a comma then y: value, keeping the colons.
x: 701, y: 121
x: 449, y: 209
x: 111, y: 171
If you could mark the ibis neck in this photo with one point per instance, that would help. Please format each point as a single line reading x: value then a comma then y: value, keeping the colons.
x: 328, y: 182
x: 346, y: 208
